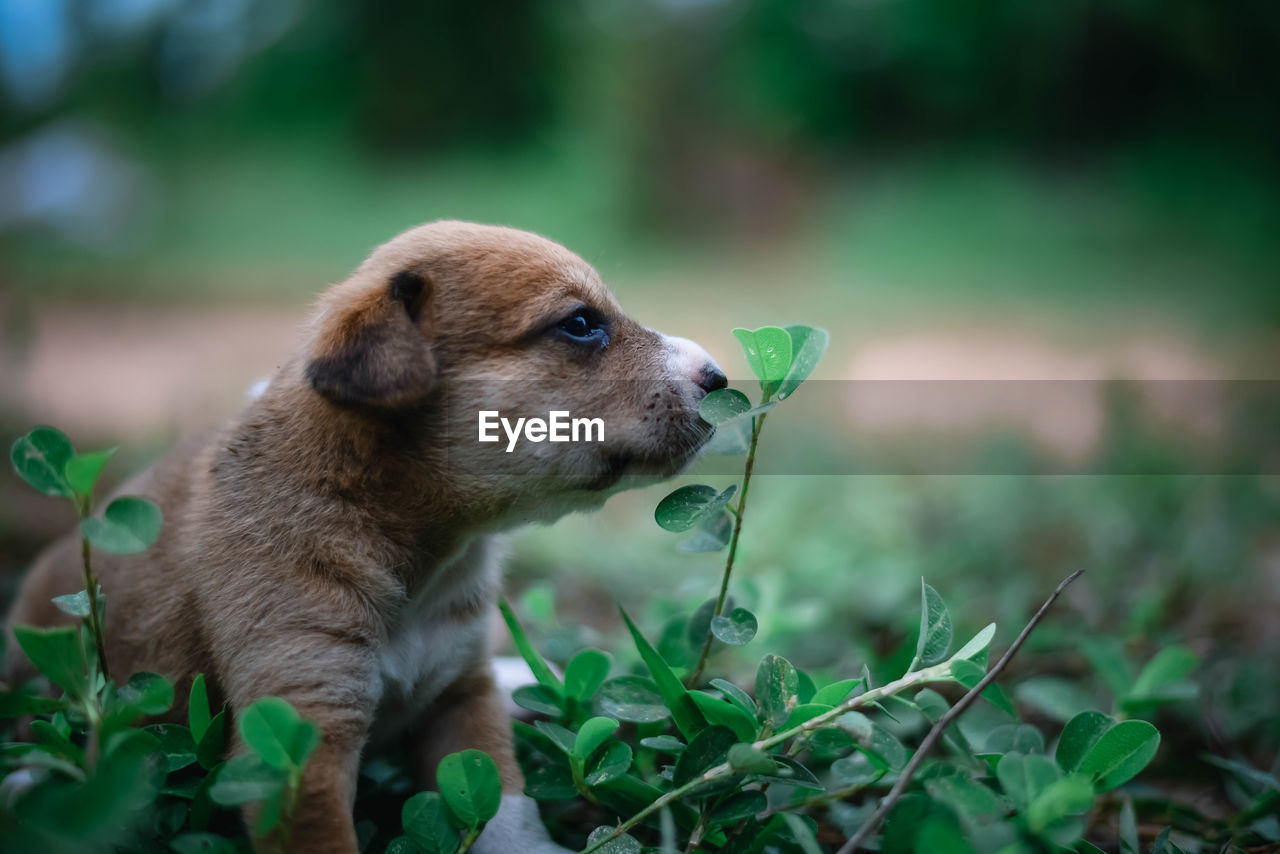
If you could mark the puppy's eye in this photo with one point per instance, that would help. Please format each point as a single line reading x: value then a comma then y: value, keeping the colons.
x: 584, y: 327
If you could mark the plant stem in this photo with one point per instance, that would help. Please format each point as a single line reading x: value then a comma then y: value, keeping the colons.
x: 95, y: 623
x: 931, y: 738
x: 756, y: 424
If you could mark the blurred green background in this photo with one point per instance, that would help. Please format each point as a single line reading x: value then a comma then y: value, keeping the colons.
x: 1001, y: 189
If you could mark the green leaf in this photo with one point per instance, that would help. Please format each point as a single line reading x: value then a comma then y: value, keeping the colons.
x: 593, y: 733
x: 706, y: 750
x: 624, y: 844
x: 971, y: 800
x: 792, y: 773
x: 1055, y: 697
x: 143, y: 694
x: 1014, y: 738
x: 82, y: 470
x: 56, y: 652
x: 690, y: 505
x: 538, y: 698
x: 730, y: 438
x: 274, y: 730
x: 213, y: 744
x: 634, y: 699
x: 1106, y: 655
x: 129, y: 525
x: 699, y: 625
x: 75, y: 604
x: 561, y: 737
x: 663, y: 743
x: 585, y: 673
x: 857, y: 770
x: 176, y: 743
x: 805, y: 712
x: 740, y: 805
x: 198, y: 716
x: 736, y: 628
x: 745, y: 759
x: 16, y: 704
x: 1078, y: 737
x: 726, y: 714
x: 1023, y: 777
x: 40, y: 458
x: 1121, y: 752
x: 426, y: 822
x: 808, y: 343
x: 1245, y: 773
x: 733, y: 416
x: 768, y: 352
x: 881, y: 746
x: 471, y: 786
x: 244, y: 779
x: 935, y: 627
x: 977, y: 643
x: 1162, y: 679
x: 723, y: 405
x: 802, y: 832
x: 1129, y: 828
x: 687, y: 717
x: 1066, y: 797
x: 712, y: 535
x: 777, y: 687
x: 969, y: 674
x: 737, y: 696
x: 609, y: 762
x: 541, y: 671
x: 837, y: 692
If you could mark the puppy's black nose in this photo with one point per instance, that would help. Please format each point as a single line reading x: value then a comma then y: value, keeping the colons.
x: 712, y: 378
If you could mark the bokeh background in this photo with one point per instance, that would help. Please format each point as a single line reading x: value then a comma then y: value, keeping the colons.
x: 995, y: 190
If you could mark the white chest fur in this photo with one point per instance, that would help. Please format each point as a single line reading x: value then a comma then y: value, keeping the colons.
x: 440, y: 634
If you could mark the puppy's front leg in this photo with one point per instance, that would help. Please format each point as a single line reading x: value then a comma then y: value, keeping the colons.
x: 470, y: 714
x: 330, y: 684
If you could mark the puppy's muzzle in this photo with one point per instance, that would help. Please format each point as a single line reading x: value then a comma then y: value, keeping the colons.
x: 688, y: 361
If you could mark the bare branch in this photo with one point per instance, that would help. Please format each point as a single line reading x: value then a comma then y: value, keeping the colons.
x: 954, y: 712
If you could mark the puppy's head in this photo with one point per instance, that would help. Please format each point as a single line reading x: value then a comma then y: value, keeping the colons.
x: 451, y: 320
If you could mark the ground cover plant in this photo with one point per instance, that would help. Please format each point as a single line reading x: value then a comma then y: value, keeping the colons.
x: 648, y: 744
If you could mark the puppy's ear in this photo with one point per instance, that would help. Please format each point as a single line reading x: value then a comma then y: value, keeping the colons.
x: 369, y: 347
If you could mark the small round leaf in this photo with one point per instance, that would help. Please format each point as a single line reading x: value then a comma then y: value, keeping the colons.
x: 426, y: 822
x: 689, y: 505
x: 131, y: 524
x: 736, y: 628
x: 471, y: 786
x: 585, y: 673
x: 40, y: 458
x: 634, y: 699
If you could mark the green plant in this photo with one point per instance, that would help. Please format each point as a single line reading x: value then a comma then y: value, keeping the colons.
x: 46, y: 460
x: 94, y: 776
x: 716, y: 767
x: 450, y: 820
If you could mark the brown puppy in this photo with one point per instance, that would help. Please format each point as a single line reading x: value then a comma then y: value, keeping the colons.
x: 333, y: 545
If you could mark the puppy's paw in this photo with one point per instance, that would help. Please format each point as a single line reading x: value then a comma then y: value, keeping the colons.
x: 516, y: 828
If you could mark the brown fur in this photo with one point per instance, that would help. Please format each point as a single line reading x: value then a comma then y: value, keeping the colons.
x: 340, y: 521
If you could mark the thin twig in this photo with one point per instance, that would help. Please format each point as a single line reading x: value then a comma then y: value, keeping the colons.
x: 954, y: 712
x: 756, y: 424
x: 95, y: 623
